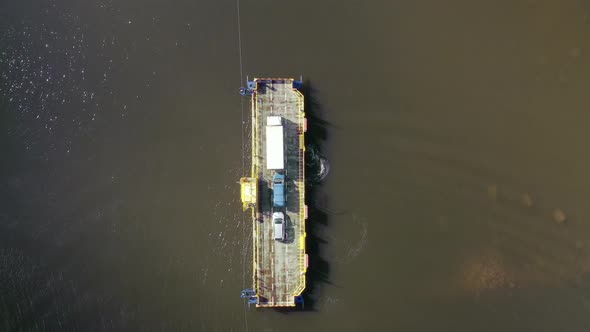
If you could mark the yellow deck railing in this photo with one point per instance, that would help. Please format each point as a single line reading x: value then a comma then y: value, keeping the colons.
x: 255, y: 225
x: 301, y: 186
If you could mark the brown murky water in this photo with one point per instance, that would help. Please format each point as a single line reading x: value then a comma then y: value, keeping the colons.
x: 456, y: 134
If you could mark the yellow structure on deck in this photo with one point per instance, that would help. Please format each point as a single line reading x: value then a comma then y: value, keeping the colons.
x: 248, y: 192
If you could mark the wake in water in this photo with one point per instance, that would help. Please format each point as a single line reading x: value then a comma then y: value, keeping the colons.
x: 324, y: 168
x: 317, y: 166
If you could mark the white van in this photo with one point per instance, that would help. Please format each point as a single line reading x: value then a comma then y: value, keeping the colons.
x: 278, y: 220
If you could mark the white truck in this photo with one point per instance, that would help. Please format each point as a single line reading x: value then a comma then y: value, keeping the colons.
x: 275, y: 154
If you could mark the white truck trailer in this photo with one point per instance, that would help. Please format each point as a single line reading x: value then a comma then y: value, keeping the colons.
x: 275, y: 154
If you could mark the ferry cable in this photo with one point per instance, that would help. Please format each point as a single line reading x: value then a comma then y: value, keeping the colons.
x: 244, y: 246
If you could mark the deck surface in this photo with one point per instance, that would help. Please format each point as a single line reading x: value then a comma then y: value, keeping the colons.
x: 279, y: 271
